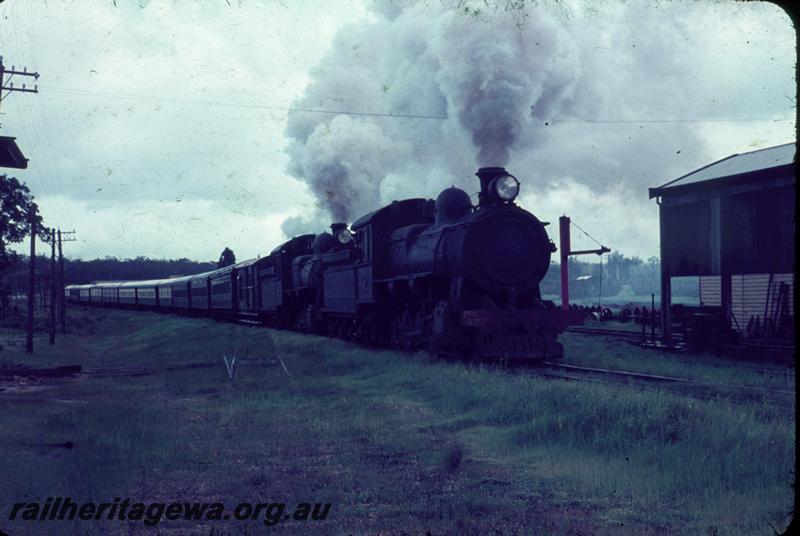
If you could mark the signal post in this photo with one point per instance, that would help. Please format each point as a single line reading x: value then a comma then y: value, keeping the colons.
x: 566, y: 252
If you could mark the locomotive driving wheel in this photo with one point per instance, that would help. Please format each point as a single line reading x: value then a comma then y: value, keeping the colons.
x: 305, y: 321
x: 480, y: 344
x: 412, y: 328
x: 371, y: 329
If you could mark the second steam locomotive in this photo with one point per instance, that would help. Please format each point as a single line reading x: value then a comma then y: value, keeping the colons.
x: 443, y: 275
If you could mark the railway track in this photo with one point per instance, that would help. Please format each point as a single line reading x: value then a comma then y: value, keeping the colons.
x: 647, y: 340
x: 657, y: 378
x: 781, y: 398
x: 637, y: 337
x: 611, y: 332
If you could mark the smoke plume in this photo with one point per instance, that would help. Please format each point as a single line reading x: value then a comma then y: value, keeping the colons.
x: 439, y: 89
x: 485, y: 82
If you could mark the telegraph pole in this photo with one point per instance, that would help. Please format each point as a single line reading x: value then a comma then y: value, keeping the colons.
x: 62, y: 307
x: 8, y: 86
x: 31, y: 280
x: 53, y: 286
x: 66, y: 236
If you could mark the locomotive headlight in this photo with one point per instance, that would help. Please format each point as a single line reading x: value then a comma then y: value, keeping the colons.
x: 506, y: 187
x: 344, y: 236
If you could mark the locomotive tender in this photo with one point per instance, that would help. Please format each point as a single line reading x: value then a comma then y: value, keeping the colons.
x: 415, y: 274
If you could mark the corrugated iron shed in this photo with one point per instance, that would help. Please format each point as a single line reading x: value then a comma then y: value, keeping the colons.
x: 735, y: 216
x: 741, y: 223
x: 737, y: 166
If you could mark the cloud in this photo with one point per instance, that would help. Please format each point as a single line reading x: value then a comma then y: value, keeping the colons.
x: 194, y: 228
x: 481, y: 86
x: 168, y: 105
x: 608, y: 100
x: 615, y: 218
x: 172, y: 116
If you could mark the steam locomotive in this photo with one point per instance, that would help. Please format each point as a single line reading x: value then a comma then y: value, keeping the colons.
x: 416, y: 274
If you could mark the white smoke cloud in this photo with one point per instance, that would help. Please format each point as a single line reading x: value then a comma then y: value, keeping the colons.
x: 344, y: 160
x: 504, y: 75
x: 604, y: 96
x: 202, y: 130
x: 485, y: 84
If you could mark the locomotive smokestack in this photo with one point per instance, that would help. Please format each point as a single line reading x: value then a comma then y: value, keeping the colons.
x: 486, y: 174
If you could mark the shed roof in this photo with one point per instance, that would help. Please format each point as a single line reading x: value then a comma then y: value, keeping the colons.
x: 10, y: 154
x: 734, y: 165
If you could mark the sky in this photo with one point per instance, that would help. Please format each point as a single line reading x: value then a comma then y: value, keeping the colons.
x: 170, y: 128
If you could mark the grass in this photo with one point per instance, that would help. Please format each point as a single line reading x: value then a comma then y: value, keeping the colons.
x: 394, y: 442
x: 607, y: 352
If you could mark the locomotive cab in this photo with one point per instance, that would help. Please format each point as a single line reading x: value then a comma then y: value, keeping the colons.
x: 310, y: 288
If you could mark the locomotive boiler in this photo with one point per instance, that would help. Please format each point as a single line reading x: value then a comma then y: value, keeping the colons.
x: 469, y: 281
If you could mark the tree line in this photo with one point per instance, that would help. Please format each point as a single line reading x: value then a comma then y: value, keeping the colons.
x: 77, y: 271
x: 18, y: 212
x: 616, y: 274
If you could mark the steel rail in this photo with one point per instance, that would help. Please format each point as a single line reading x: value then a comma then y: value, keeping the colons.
x: 702, y: 395
x: 664, y: 379
x: 638, y: 336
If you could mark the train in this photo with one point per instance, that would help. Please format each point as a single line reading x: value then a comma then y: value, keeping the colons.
x: 416, y: 274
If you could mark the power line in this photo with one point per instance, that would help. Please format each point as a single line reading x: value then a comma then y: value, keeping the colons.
x: 80, y: 92
x: 587, y: 234
x: 288, y: 109
x: 703, y: 120
x: 8, y: 86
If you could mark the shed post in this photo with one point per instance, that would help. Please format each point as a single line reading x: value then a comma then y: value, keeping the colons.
x: 666, y: 282
x: 726, y: 295
x: 718, y: 261
x: 727, y: 265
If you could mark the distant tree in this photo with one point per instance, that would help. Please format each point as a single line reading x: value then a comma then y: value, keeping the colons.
x: 16, y: 202
x: 226, y: 258
x: 77, y: 271
x: 16, y: 205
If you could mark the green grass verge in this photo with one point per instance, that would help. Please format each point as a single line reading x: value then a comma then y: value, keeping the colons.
x: 394, y: 442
